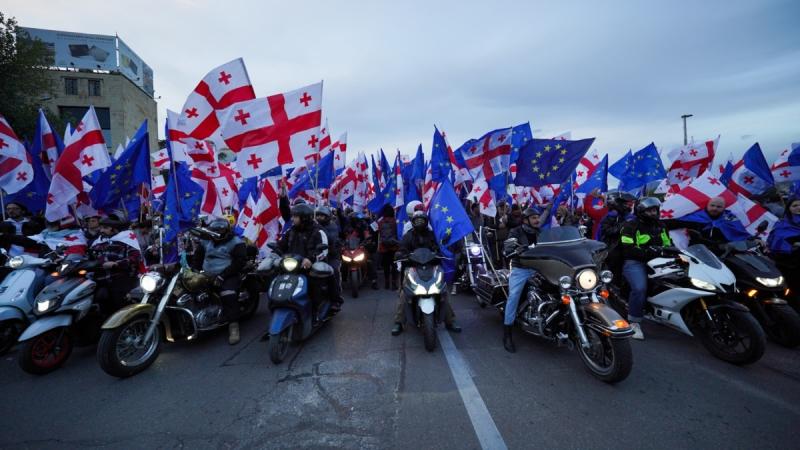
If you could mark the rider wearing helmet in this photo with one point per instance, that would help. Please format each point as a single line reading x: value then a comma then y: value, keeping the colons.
x: 120, y: 257
x: 331, y: 229
x: 222, y: 255
x: 412, y: 207
x: 642, y: 238
x: 620, y: 208
x: 519, y: 237
x: 420, y: 236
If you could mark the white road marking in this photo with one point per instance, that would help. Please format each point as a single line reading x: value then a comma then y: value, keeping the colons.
x: 488, y: 435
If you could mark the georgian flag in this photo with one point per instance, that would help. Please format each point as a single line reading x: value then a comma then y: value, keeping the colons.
x: 340, y: 153
x: 695, y: 196
x: 73, y: 241
x: 218, y: 90
x: 586, y: 166
x: 751, y: 175
x: 787, y: 166
x: 324, y: 144
x: 84, y: 153
x: 751, y: 214
x: 484, y: 197
x: 126, y: 237
x: 160, y: 159
x: 158, y: 185
x: 281, y: 129
x: 489, y: 155
x: 49, y: 151
x: 362, y: 191
x: 16, y: 170
x: 429, y: 187
x: 688, y: 163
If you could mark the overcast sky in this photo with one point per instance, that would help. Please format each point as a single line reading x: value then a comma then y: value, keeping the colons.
x: 622, y: 72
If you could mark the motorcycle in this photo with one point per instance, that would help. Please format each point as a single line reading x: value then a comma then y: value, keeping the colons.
x: 295, y: 317
x: 564, y: 302
x: 66, y: 315
x: 423, y: 286
x: 177, y: 305
x: 763, y: 291
x: 695, y: 293
x: 17, y: 294
x: 354, y: 257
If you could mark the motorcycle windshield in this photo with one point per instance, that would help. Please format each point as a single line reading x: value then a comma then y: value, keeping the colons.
x: 422, y: 256
x: 579, y: 253
x: 702, y: 253
x: 557, y: 235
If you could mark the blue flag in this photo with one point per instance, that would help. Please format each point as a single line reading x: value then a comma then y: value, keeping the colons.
x: 449, y: 221
x: 549, y: 161
x: 643, y: 167
x: 520, y: 135
x: 597, y: 180
x: 320, y: 176
x: 385, y: 169
x: 182, y: 205
x: 122, y: 181
x: 621, y: 167
x: 387, y: 196
x: 441, y: 167
x: 562, y: 198
x: 727, y: 172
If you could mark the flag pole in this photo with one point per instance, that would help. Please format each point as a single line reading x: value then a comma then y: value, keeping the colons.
x: 3, y: 203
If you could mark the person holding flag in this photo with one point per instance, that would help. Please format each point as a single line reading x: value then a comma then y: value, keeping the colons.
x: 117, y: 250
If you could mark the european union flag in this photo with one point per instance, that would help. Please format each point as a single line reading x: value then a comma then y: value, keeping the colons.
x: 520, y: 135
x: 598, y: 179
x: 122, y: 181
x: 621, y: 167
x: 182, y: 205
x: 549, y: 161
x: 376, y: 181
x: 440, y: 159
x: 640, y: 168
x: 319, y: 177
x: 449, y: 221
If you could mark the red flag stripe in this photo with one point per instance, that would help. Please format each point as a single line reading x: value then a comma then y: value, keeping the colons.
x: 8, y: 164
x: 5, y: 129
x: 237, y: 95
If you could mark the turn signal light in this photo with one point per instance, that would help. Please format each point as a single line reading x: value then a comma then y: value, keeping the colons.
x: 788, y: 291
x: 81, y: 272
x: 565, y: 299
x: 621, y: 323
x: 604, y: 293
x: 54, y: 274
x: 752, y: 293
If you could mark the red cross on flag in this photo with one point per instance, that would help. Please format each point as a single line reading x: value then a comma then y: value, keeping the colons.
x: 787, y: 166
x: 158, y: 185
x: 429, y: 187
x: 278, y: 130
x: 695, y: 196
x: 267, y: 210
x: 126, y: 237
x: 247, y: 222
x: 49, y: 153
x: 489, y: 155
x: 227, y: 191
x: 751, y: 175
x: 362, y: 189
x: 16, y: 170
x: 587, y: 165
x: 324, y: 144
x: 483, y: 196
x: 340, y: 153
x: 751, y: 214
x: 688, y: 163
x: 160, y: 159
x: 219, y: 89
x: 84, y: 153
x: 73, y: 241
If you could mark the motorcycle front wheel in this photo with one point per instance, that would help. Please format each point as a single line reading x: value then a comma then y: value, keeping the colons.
x: 46, y: 352
x: 609, y: 360
x: 355, y: 283
x: 123, y: 352
x: 429, y: 332
x: 278, y: 345
x: 735, y: 336
x: 786, y: 328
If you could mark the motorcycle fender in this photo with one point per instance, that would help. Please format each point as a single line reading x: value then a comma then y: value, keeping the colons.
x: 127, y: 313
x: 282, y: 319
x: 46, y: 324
x: 11, y: 313
x: 729, y: 305
x: 768, y: 301
x: 427, y: 305
x: 601, y: 317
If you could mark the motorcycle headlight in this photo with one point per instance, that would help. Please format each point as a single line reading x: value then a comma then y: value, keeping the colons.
x: 420, y: 290
x: 565, y: 282
x: 606, y: 276
x: 587, y: 279
x: 359, y: 257
x: 46, y: 304
x: 289, y: 264
x: 770, y: 282
x: 16, y: 262
x: 150, y: 282
x: 434, y: 290
x: 346, y: 258
x: 705, y: 285
x: 474, y: 250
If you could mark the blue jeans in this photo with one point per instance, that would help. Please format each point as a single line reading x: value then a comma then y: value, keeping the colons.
x: 636, y: 274
x: 516, y: 283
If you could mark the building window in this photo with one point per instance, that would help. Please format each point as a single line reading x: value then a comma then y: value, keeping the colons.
x: 73, y: 115
x: 94, y: 88
x: 71, y: 86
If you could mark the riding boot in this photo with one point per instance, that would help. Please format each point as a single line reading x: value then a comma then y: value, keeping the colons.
x: 508, y: 342
x: 233, y: 333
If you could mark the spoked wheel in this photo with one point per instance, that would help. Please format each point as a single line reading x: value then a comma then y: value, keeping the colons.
x: 278, y: 345
x: 786, y: 329
x: 9, y: 333
x: 735, y: 336
x: 429, y: 332
x: 609, y: 360
x: 46, y: 352
x: 124, y: 352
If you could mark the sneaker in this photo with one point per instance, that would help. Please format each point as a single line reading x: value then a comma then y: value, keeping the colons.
x: 637, y: 331
x: 233, y: 333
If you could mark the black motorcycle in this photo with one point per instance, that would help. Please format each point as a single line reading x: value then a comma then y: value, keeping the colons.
x: 564, y: 301
x: 762, y: 289
x: 423, y: 285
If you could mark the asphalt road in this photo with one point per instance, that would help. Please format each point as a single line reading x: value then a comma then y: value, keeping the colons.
x: 353, y: 385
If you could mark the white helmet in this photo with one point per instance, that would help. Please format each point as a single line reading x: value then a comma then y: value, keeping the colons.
x: 412, y: 206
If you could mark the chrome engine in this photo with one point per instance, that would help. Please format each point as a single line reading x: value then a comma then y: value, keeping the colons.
x: 538, y: 312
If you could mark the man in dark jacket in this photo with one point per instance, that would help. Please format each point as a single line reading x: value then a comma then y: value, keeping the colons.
x: 642, y: 239
x: 331, y: 229
x: 420, y: 236
x: 223, y: 257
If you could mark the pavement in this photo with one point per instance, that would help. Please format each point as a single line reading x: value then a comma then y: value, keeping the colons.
x: 353, y: 385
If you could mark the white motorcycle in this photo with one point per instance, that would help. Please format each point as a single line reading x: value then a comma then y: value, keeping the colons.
x: 694, y: 293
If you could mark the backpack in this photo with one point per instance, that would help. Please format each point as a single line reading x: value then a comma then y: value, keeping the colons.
x: 387, y: 234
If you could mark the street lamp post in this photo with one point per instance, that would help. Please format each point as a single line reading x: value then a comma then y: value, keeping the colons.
x: 685, y: 137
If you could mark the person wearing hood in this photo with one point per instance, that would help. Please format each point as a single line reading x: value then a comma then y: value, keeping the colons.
x: 784, y: 244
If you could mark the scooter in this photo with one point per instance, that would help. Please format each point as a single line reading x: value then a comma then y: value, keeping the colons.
x: 17, y: 294
x: 354, y: 258
x: 695, y: 293
x: 423, y: 286
x: 763, y: 290
x: 294, y: 315
x: 66, y: 315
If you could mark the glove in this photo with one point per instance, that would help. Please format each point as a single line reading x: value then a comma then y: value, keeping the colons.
x: 218, y: 281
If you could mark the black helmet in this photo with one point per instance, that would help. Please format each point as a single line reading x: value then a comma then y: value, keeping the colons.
x: 323, y: 211
x: 221, y: 227
x: 531, y: 211
x: 304, y: 212
x: 619, y: 200
x: 645, y: 204
x: 419, y: 220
